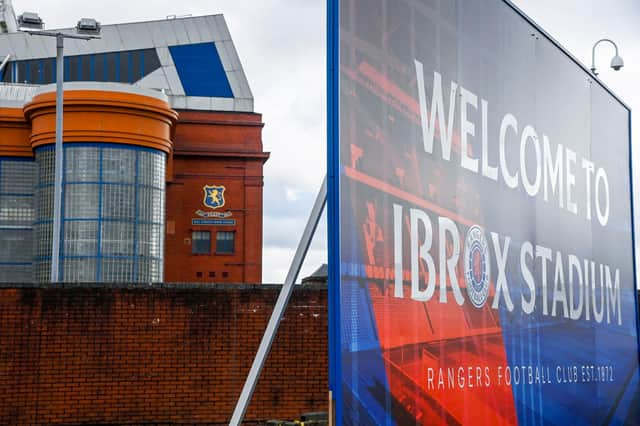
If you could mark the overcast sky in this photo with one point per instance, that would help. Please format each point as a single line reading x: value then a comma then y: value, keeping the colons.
x: 281, y: 44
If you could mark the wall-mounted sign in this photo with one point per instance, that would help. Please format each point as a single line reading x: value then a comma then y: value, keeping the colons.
x: 481, y: 234
x: 214, y: 222
x: 220, y: 215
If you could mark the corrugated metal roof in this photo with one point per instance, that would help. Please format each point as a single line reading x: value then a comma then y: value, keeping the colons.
x: 160, y: 35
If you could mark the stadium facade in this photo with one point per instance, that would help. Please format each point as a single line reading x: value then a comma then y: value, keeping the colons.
x: 163, y: 157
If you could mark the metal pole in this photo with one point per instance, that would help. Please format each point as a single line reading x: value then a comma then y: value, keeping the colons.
x: 59, y: 153
x: 593, y: 53
x: 5, y: 62
x: 281, y: 304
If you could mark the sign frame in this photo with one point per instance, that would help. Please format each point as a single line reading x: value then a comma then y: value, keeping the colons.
x: 334, y: 173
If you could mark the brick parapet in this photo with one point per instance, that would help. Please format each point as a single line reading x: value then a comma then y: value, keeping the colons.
x: 159, y: 353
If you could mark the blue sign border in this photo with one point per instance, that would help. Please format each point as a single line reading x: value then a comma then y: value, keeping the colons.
x: 333, y: 188
x: 333, y: 201
x: 633, y: 231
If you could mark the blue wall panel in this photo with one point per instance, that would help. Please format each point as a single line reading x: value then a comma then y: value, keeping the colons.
x: 201, y: 71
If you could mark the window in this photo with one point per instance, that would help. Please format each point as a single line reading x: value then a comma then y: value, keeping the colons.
x: 85, y: 68
x: 136, y: 65
x: 113, y: 212
x: 111, y: 60
x: 200, y: 242
x: 48, y: 70
x: 150, y: 61
x: 225, y: 242
x: 6, y: 73
x: 22, y: 72
x: 74, y: 68
x: 35, y: 72
x: 124, y: 68
x: 99, y: 66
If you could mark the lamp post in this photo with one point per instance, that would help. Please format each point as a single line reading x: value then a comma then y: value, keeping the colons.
x: 87, y: 29
x: 616, y: 61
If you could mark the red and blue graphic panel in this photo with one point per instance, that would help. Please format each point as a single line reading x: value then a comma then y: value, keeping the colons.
x: 480, y: 221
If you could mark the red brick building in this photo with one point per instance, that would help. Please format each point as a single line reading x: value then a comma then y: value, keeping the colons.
x: 163, y: 169
x: 215, y: 149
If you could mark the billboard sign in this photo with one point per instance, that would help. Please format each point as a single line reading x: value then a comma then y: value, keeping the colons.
x: 480, y: 222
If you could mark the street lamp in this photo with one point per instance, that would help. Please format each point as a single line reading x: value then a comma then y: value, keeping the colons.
x: 87, y: 29
x: 616, y: 61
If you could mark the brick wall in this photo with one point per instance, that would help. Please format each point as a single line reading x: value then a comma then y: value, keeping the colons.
x: 162, y: 354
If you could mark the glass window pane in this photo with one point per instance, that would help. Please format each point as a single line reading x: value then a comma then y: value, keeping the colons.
x: 200, y: 242
x: 80, y: 238
x: 85, y: 68
x: 48, y: 66
x: 74, y: 66
x: 44, y: 203
x: 116, y: 270
x: 117, y: 239
x: 16, y: 211
x: 7, y: 73
x: 111, y: 59
x: 144, y: 270
x: 156, y: 270
x: 82, y: 164
x: 22, y: 72
x: 17, y: 246
x: 45, y: 159
x: 151, y: 169
x: 124, y: 67
x: 43, y: 233
x: 136, y: 69
x: 150, y: 240
x: 225, y: 242
x: 149, y: 270
x: 150, y: 205
x: 17, y: 177
x: 79, y: 270
x: 151, y: 61
x: 99, y: 72
x: 16, y: 273
x: 42, y: 271
x: 118, y: 201
x: 118, y: 165
x: 35, y: 71
x: 81, y: 201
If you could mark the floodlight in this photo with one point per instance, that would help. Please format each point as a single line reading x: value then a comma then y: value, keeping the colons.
x: 617, y: 63
x: 88, y: 26
x: 87, y: 29
x: 30, y: 20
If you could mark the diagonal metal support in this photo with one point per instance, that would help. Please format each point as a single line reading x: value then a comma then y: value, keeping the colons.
x: 281, y: 304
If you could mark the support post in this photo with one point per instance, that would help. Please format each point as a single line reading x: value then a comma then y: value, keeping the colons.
x: 278, y: 310
x: 59, y: 154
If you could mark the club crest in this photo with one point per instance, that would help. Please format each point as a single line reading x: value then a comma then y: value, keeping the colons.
x: 476, y: 266
x: 213, y: 196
